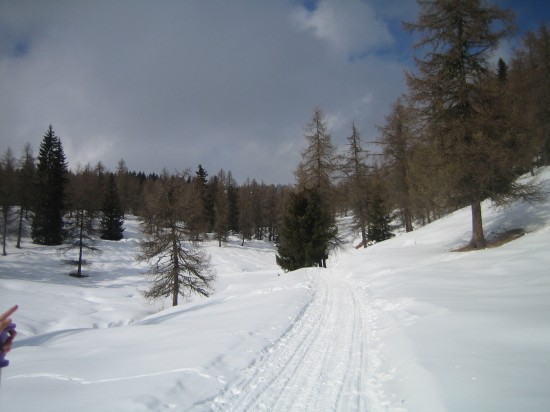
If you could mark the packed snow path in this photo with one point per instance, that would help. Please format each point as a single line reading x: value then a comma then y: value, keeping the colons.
x: 318, y: 364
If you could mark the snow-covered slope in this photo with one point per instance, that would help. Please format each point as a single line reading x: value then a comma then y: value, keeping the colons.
x: 405, y: 325
x: 94, y: 344
x: 460, y: 331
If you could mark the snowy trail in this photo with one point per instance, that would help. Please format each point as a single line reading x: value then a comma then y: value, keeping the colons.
x: 318, y: 364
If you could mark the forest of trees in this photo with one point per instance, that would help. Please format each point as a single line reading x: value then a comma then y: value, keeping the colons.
x: 464, y: 131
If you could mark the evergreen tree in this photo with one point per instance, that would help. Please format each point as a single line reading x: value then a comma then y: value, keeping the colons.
x: 318, y: 160
x: 246, y: 212
x: 198, y: 220
x: 80, y: 227
x: 207, y: 197
x: 502, y: 71
x: 25, y: 179
x: 232, y: 201
x: 258, y: 213
x: 397, y: 141
x: 455, y: 99
x: 270, y: 208
x: 100, y: 184
x: 307, y: 232
x: 7, y: 194
x: 528, y: 83
x: 124, y: 186
x: 308, y: 227
x: 354, y: 166
x: 178, y: 267
x: 112, y: 218
x: 49, y: 205
x: 379, y: 216
x: 221, y: 210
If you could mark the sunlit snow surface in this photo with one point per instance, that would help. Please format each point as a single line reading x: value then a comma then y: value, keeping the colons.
x: 405, y: 325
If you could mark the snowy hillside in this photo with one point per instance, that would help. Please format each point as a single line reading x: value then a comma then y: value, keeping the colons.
x: 405, y: 325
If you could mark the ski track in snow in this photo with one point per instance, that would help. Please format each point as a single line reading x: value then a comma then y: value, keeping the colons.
x: 318, y: 364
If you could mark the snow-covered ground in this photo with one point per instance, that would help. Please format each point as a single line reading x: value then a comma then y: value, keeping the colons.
x: 405, y: 325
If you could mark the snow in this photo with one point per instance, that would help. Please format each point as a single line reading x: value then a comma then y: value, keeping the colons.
x: 404, y: 325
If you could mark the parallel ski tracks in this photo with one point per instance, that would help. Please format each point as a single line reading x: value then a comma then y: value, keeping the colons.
x: 318, y: 364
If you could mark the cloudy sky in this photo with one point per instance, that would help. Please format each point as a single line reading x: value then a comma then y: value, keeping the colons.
x: 223, y: 83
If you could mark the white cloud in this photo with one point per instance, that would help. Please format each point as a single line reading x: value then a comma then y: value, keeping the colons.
x: 176, y: 84
x: 349, y: 26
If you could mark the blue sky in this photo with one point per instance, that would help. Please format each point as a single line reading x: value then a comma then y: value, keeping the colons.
x: 529, y: 13
x: 225, y: 84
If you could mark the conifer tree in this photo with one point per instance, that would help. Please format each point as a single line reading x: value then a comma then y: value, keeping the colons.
x: 207, y: 199
x: 307, y: 233
x: 355, y: 168
x: 308, y: 229
x: 232, y: 189
x: 124, y: 186
x: 199, y: 217
x: 246, y: 212
x: 178, y: 266
x: 221, y: 210
x: 25, y: 192
x: 316, y: 169
x: 270, y: 207
x: 397, y: 141
x: 379, y: 216
x: 80, y: 228
x: 112, y: 218
x: 454, y: 98
x: 7, y: 194
x: 529, y: 86
x: 258, y: 213
x: 49, y: 205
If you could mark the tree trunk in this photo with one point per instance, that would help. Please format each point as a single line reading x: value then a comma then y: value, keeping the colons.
x: 176, y: 274
x: 79, y: 272
x: 478, y: 240
x: 407, y: 218
x: 4, y: 235
x: 363, y: 224
x: 20, y: 229
x: 175, y: 290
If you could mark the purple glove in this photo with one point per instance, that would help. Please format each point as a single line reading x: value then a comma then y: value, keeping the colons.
x: 6, y: 336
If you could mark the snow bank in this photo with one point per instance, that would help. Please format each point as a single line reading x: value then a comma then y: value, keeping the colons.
x: 94, y: 344
x: 454, y: 331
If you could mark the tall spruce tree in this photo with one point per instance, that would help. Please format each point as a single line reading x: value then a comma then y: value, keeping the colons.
x: 198, y: 220
x: 308, y: 222
x: 270, y: 208
x: 307, y: 231
x: 7, y: 194
x: 246, y: 212
x: 25, y: 179
x: 49, y: 205
x: 112, y: 218
x: 232, y: 189
x: 453, y: 96
x: 379, y: 215
x: 221, y: 210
